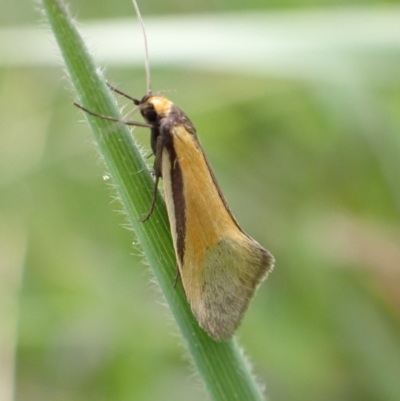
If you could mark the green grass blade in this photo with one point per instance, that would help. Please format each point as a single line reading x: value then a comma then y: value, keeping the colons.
x: 224, y: 370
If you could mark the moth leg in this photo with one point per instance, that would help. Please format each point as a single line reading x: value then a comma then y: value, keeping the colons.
x: 153, y: 202
x: 114, y: 89
x: 157, y: 174
x: 177, y: 276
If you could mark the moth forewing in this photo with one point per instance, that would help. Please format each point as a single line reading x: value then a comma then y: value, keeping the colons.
x: 220, y: 266
x: 233, y: 270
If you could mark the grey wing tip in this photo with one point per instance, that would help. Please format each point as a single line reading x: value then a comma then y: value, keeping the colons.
x: 268, y: 260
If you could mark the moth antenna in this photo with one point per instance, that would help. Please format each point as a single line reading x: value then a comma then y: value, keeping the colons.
x: 146, y: 49
x: 126, y: 122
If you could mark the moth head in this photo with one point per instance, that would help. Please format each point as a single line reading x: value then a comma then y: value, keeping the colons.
x: 153, y: 108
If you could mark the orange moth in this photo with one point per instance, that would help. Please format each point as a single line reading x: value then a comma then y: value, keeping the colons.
x: 220, y: 266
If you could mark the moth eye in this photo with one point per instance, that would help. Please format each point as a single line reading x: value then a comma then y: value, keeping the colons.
x: 150, y: 115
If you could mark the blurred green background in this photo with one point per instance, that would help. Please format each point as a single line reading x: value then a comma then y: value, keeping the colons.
x: 310, y: 168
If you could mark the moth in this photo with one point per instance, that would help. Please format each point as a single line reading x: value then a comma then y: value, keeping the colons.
x: 220, y: 266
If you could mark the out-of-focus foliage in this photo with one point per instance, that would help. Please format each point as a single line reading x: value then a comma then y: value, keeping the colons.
x: 311, y: 170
